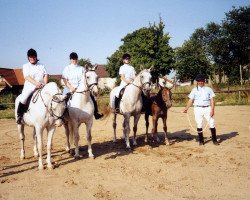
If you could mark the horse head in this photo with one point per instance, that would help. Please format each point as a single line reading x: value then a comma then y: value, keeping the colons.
x: 145, y: 79
x: 92, y: 80
x: 54, y: 101
x: 166, y: 95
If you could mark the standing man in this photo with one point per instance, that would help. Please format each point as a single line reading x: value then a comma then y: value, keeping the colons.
x: 72, y: 76
x: 204, y: 104
x: 35, y: 76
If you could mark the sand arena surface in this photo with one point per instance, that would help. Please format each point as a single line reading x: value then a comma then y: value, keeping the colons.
x: 183, y: 170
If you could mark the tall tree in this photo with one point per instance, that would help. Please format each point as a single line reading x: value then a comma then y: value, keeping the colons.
x: 84, y: 62
x: 191, y: 59
x: 148, y: 46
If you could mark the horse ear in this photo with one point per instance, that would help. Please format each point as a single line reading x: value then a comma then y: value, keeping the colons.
x: 94, y: 67
x: 152, y: 66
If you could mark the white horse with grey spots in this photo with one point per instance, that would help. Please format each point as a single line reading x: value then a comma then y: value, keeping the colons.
x: 45, y: 111
x: 81, y: 110
x: 131, y: 104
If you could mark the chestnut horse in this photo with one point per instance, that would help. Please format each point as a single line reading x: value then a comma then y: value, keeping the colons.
x: 157, y: 106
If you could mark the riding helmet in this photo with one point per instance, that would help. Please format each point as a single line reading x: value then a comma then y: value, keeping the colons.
x: 73, y: 56
x: 200, y: 77
x: 31, y: 53
x: 126, y: 56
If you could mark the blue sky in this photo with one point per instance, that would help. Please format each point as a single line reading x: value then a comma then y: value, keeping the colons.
x: 94, y: 28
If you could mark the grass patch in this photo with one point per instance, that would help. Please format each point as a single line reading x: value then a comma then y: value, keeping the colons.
x: 7, y: 114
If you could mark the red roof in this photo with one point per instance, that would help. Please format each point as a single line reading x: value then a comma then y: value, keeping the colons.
x: 101, y: 71
x: 13, y: 76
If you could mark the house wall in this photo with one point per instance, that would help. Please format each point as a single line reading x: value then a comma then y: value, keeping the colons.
x: 106, y: 83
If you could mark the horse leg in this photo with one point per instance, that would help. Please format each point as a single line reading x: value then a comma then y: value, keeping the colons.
x: 51, y: 131
x: 136, y: 119
x: 35, y: 143
x: 39, y: 136
x: 147, y: 125
x: 164, y: 120
x: 89, y: 138
x: 126, y: 130
x: 66, y: 127
x: 114, y: 127
x: 75, y: 128
x: 154, y: 129
x: 20, y: 128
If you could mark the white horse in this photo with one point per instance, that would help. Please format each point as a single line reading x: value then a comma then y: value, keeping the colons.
x: 131, y: 104
x: 45, y: 110
x: 81, y: 110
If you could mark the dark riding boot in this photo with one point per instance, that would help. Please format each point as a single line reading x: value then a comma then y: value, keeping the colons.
x: 201, y: 138
x: 96, y: 112
x: 20, y: 111
x: 214, y: 138
x: 117, y: 105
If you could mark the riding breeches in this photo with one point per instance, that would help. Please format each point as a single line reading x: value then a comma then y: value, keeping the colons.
x: 25, y: 94
x: 200, y: 112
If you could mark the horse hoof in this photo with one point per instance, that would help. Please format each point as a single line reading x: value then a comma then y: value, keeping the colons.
x: 77, y: 157
x: 35, y: 155
x: 40, y: 167
x: 50, y: 167
x: 22, y: 157
x: 67, y: 149
x: 92, y: 156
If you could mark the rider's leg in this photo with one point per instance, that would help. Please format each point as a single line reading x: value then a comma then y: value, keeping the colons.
x: 96, y: 112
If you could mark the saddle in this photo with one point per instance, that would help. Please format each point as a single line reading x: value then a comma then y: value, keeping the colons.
x: 29, y: 99
x: 118, y: 101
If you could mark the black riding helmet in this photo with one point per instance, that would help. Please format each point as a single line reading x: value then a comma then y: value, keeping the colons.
x: 126, y: 56
x: 200, y: 77
x: 73, y: 56
x: 31, y: 53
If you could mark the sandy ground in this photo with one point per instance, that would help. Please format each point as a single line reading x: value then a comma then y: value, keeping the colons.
x: 183, y: 170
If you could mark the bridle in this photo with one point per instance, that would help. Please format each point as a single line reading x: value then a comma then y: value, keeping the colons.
x: 89, y: 87
x: 141, y: 87
x: 49, y: 109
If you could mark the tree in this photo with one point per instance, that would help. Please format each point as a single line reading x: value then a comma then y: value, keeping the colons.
x: 148, y: 46
x: 227, y: 45
x: 191, y: 59
x: 84, y: 62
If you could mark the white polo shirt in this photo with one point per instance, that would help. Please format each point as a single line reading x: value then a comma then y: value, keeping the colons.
x: 73, y: 74
x: 128, y: 71
x: 201, y: 96
x: 36, y: 72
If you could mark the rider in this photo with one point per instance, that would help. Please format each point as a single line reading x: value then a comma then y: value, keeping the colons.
x: 127, y: 73
x: 203, y: 106
x: 35, y: 76
x: 72, y: 75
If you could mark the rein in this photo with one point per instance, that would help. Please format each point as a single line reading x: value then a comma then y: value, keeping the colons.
x: 50, y: 111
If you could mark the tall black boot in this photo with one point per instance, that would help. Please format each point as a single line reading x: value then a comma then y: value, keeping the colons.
x: 200, y: 134
x: 96, y: 112
x: 20, y: 111
x: 214, y: 138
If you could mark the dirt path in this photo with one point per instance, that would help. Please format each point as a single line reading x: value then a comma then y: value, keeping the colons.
x: 183, y: 170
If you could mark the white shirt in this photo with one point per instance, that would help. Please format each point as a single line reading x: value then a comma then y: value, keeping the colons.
x: 36, y: 72
x: 201, y: 96
x: 128, y: 71
x: 73, y: 74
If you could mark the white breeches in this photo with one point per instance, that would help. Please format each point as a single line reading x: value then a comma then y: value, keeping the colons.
x: 25, y: 94
x: 122, y: 85
x: 200, y: 112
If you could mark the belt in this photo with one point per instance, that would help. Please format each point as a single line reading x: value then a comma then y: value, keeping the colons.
x: 202, y: 106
